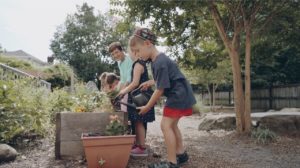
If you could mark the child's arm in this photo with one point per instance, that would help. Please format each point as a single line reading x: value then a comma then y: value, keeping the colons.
x: 147, y: 84
x: 154, y: 98
x: 123, y: 85
x: 137, y: 72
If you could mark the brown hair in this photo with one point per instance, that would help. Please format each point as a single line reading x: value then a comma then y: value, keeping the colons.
x: 115, y: 45
x: 133, y: 41
x: 102, y: 79
x: 142, y: 34
x: 107, y: 79
x: 111, y: 78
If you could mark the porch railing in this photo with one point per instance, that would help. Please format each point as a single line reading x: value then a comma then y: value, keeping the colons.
x: 10, y: 73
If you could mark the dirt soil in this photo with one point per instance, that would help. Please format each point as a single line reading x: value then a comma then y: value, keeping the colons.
x: 214, y: 149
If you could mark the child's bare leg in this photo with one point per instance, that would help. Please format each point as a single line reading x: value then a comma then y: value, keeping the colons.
x: 140, y: 133
x: 170, y: 138
x: 179, y: 143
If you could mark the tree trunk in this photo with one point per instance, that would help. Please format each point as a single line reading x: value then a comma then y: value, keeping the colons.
x: 239, y: 98
x: 247, y: 118
x: 210, y: 96
x: 213, y: 97
x: 215, y: 86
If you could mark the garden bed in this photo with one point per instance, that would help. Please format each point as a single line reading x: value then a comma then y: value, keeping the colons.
x: 70, y: 126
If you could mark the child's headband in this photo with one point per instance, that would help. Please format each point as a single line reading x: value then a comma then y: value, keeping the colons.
x: 145, y: 34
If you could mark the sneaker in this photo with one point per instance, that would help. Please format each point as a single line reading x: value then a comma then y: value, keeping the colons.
x: 182, y: 158
x: 138, y: 151
x: 163, y: 165
x: 134, y: 146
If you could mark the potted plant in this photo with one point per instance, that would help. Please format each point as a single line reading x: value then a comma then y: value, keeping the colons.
x: 110, y: 149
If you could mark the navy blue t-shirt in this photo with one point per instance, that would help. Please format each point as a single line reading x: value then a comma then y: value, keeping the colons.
x: 177, y: 89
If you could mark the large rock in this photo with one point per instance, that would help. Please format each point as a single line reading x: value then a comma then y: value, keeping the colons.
x: 290, y: 110
x: 214, y: 122
x: 282, y: 124
x: 7, y: 153
x: 91, y: 86
x: 278, y: 122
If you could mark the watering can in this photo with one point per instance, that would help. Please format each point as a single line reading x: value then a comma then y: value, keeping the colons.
x: 139, y: 98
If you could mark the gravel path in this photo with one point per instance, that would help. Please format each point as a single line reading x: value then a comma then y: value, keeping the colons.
x: 214, y: 149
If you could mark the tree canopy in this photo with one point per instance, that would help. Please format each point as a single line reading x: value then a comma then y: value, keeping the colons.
x: 83, y: 39
x: 276, y: 53
x: 238, y: 23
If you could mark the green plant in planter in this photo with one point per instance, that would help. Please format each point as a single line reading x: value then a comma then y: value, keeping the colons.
x: 102, y: 149
x: 115, y: 127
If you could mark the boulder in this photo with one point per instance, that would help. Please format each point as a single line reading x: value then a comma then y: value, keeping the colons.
x: 7, y: 153
x: 281, y: 124
x: 287, y: 123
x: 290, y: 110
x: 91, y: 86
x: 225, y: 122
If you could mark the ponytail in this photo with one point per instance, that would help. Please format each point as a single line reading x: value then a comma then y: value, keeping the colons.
x: 103, y: 82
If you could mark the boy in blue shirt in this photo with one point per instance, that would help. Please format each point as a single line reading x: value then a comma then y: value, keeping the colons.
x: 171, y: 83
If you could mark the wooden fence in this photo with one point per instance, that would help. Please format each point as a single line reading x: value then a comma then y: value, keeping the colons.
x: 277, y: 97
x: 10, y: 73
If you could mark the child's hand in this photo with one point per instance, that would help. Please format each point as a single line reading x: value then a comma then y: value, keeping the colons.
x: 119, y: 97
x: 142, y: 110
x: 146, y: 85
x: 121, y: 93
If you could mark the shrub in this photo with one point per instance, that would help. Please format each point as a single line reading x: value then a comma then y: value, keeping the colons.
x: 59, y: 101
x: 12, y: 62
x: 23, y: 109
x: 89, y: 101
x: 196, y: 108
x: 59, y: 75
x: 199, y: 107
x: 263, y: 135
x: 26, y: 109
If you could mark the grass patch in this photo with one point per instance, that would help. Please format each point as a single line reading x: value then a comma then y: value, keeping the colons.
x: 263, y: 136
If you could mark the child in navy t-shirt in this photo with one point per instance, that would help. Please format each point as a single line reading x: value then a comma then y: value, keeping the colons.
x: 171, y: 83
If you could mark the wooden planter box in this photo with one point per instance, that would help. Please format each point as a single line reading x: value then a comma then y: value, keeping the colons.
x: 71, y: 125
x: 107, y: 151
